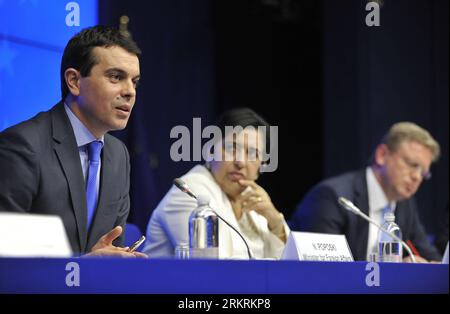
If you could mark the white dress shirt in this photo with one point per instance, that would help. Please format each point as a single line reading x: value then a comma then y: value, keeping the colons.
x: 377, y: 202
x: 83, y: 137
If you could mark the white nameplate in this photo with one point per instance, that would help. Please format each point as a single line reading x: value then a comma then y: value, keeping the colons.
x: 29, y: 235
x: 307, y: 246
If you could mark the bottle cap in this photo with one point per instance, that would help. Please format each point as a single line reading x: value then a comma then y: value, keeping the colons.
x: 203, y: 199
x: 389, y: 217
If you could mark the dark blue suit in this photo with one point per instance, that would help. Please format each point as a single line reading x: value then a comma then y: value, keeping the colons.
x: 320, y: 212
x: 40, y: 172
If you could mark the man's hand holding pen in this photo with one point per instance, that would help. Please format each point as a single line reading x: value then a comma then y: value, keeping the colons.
x: 104, y: 246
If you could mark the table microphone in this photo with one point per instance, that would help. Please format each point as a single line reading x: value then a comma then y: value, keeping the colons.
x: 355, y: 210
x: 185, y: 188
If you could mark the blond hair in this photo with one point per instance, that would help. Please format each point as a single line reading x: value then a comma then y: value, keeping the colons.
x: 408, y: 131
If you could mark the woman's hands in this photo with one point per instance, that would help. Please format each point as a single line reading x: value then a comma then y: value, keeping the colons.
x: 256, y: 198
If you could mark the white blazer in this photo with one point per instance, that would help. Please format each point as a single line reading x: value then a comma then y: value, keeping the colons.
x: 169, y: 223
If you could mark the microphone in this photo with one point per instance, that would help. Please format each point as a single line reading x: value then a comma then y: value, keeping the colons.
x: 355, y: 210
x: 185, y: 188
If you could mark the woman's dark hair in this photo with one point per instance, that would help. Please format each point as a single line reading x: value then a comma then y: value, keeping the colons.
x: 243, y: 117
x: 78, y: 52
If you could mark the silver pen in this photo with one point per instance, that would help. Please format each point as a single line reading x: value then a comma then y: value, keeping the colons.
x: 136, y: 244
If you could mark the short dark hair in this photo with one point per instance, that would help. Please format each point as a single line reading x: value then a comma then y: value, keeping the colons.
x: 243, y: 117
x: 78, y: 52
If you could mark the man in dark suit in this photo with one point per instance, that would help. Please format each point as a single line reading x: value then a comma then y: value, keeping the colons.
x: 62, y: 162
x: 399, y: 165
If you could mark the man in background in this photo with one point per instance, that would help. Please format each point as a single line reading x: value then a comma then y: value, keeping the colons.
x: 399, y: 164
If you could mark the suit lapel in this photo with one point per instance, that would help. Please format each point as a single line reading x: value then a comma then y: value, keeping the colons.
x: 361, y: 195
x: 361, y: 200
x: 67, y: 151
x: 106, y: 175
x: 401, y: 217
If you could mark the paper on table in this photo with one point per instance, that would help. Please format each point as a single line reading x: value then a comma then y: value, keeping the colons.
x: 30, y: 235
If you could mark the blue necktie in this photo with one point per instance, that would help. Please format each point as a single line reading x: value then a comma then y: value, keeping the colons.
x: 94, y: 150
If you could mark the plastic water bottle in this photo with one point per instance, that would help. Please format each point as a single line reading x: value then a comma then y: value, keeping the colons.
x: 203, y: 230
x: 389, y: 249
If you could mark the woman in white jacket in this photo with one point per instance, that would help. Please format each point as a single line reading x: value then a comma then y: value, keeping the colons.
x: 229, y: 181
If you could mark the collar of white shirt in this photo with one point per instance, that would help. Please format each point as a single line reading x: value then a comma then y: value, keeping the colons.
x: 376, y: 197
x: 82, y: 134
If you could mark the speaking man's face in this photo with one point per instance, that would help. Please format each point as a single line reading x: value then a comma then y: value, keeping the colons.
x: 107, y: 95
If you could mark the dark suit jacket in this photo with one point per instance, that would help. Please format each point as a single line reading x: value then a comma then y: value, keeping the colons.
x: 320, y: 212
x: 40, y: 172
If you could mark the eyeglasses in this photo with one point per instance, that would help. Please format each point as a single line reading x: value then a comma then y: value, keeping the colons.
x: 235, y: 150
x: 414, y: 166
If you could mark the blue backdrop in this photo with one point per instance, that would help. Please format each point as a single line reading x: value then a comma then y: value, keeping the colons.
x: 33, y: 34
